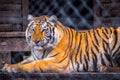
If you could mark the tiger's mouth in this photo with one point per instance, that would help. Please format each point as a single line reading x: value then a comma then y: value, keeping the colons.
x: 40, y: 44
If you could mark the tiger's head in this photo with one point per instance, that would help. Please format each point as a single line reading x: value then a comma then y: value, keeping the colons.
x: 42, y: 32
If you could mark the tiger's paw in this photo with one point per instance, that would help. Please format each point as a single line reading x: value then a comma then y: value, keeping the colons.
x: 10, y: 68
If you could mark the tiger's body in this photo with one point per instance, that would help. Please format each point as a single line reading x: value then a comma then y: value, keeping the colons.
x: 55, y: 48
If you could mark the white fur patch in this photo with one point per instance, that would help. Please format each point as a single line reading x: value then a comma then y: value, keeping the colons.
x: 110, y: 39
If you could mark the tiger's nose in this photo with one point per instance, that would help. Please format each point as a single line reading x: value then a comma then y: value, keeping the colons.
x: 36, y: 42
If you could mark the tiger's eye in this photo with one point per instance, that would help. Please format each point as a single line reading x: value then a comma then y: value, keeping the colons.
x: 33, y: 29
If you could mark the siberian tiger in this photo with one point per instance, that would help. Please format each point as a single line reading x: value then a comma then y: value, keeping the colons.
x: 56, y: 48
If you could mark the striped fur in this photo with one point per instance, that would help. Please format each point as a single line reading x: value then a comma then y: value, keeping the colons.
x: 55, y: 48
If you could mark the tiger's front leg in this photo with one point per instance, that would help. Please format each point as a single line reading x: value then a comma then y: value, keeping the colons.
x: 11, y: 68
x: 14, y: 67
x: 38, y: 66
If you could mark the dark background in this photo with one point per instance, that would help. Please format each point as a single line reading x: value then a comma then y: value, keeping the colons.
x: 77, y: 14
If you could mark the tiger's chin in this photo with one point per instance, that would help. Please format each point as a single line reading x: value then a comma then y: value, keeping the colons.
x: 38, y: 47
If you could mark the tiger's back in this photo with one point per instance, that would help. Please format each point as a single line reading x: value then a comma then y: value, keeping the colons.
x: 95, y: 48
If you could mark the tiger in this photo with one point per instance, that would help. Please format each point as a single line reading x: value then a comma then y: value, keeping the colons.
x: 57, y: 48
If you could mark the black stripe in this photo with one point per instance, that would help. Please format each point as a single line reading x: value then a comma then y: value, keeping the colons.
x: 70, y: 38
x: 67, y: 32
x: 114, y: 54
x: 95, y: 63
x: 49, y: 24
x: 94, y: 59
x: 80, y: 56
x: 78, y: 48
x: 94, y: 34
x: 48, y: 51
x: 98, y: 33
x: 49, y: 35
x: 34, y: 55
x: 76, y: 35
x: 62, y: 59
x: 78, y: 66
x: 106, y: 57
x: 100, y: 36
x: 95, y: 47
x: 105, y: 35
x: 106, y: 30
x: 94, y: 54
x: 54, y: 55
x: 41, y: 69
x: 105, y: 49
x: 43, y: 55
x: 30, y: 24
x: 71, y: 43
x: 87, y: 54
x: 106, y: 53
x: 84, y: 68
x: 53, y: 38
x: 115, y: 33
x: 110, y: 30
x: 102, y: 60
x: 86, y: 62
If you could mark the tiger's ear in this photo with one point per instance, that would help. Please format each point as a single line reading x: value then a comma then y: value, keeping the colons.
x: 53, y: 19
x: 30, y: 17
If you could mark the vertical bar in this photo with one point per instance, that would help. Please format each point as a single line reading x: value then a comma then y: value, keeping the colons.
x: 25, y: 13
x: 7, y: 57
x: 97, y: 15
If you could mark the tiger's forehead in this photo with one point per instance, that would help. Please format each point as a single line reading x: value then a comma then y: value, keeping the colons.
x: 40, y: 19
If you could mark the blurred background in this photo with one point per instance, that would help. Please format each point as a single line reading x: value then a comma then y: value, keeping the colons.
x: 77, y: 14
